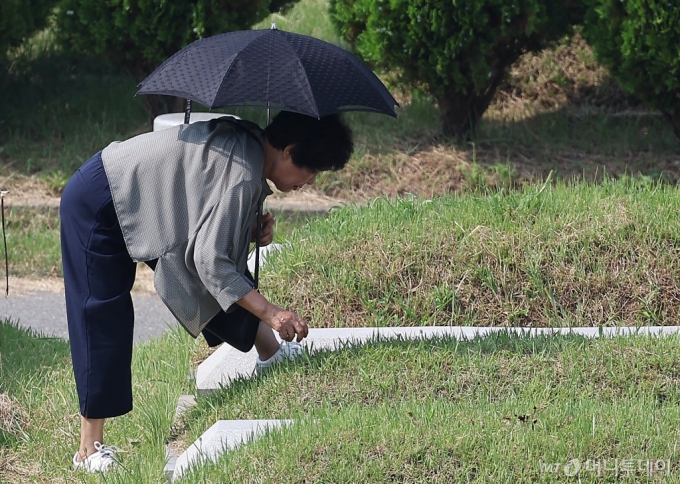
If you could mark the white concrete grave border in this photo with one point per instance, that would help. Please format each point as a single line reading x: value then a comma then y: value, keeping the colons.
x: 228, y: 364
x: 223, y: 436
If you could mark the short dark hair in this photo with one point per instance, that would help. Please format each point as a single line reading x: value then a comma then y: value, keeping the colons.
x: 318, y: 144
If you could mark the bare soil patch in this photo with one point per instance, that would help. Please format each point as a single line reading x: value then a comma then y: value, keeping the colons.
x: 28, y: 191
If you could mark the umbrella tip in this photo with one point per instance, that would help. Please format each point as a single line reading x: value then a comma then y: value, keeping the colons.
x: 273, y: 27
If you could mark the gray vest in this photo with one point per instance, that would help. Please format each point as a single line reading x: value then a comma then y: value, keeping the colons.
x: 188, y: 197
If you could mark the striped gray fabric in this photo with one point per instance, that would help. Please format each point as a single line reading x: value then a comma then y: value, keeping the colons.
x: 188, y: 197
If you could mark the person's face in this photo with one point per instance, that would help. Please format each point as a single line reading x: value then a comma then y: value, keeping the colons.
x: 288, y: 177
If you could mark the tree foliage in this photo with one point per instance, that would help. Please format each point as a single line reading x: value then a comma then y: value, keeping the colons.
x: 19, y: 19
x: 458, y: 51
x: 137, y: 35
x: 639, y: 41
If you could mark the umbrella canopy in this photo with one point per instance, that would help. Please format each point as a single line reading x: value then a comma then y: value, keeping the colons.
x: 271, y: 69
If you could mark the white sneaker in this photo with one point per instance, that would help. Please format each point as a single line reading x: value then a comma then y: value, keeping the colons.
x: 287, y: 350
x: 100, y: 461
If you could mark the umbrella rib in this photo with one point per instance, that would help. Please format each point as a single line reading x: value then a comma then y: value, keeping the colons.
x: 301, y: 65
x: 229, y: 69
x: 224, y: 79
x: 313, y: 101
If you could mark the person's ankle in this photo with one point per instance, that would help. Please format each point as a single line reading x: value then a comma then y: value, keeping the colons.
x: 266, y: 353
x: 84, y: 453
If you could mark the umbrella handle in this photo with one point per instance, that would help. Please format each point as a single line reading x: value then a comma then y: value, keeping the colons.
x: 187, y: 112
x: 4, y: 238
x: 257, y: 246
x: 259, y: 219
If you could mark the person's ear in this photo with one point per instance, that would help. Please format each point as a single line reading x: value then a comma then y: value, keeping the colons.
x: 288, y: 152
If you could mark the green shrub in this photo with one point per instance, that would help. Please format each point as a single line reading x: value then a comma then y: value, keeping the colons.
x: 457, y: 51
x: 19, y: 19
x: 639, y: 41
x: 137, y: 35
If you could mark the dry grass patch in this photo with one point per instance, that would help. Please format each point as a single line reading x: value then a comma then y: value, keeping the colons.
x: 566, y: 74
x: 13, y: 418
x: 14, y: 424
x: 15, y: 469
x: 558, y: 112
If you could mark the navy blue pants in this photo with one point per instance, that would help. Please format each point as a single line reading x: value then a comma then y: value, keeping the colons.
x: 98, y: 278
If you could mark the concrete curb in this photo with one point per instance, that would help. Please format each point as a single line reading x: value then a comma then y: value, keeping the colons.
x: 228, y: 364
x: 223, y: 436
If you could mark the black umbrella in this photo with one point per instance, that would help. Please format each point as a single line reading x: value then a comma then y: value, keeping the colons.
x: 271, y: 69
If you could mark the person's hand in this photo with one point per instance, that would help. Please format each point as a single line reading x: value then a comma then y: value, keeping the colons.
x: 288, y: 325
x: 266, y: 232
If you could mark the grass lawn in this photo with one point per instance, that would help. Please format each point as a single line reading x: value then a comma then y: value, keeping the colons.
x: 496, y: 409
x: 500, y: 409
x: 563, y: 254
x: 39, y: 418
x: 574, y: 254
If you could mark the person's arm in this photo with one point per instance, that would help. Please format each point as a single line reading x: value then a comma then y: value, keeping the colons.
x: 286, y: 323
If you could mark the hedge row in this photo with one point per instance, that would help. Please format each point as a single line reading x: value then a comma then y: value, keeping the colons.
x: 458, y: 51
